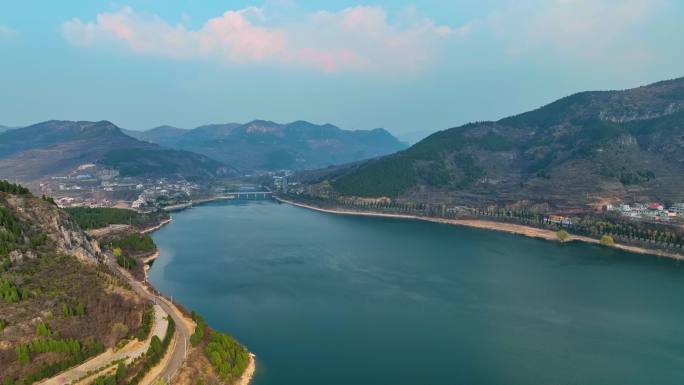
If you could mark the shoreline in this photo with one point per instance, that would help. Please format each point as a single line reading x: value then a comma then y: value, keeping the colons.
x: 248, y: 373
x: 157, y: 227
x: 511, y: 228
x: 184, y: 206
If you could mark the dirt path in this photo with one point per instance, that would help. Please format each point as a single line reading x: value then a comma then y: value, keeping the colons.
x: 132, y: 350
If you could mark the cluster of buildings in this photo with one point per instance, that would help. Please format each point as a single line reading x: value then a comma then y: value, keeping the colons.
x: 90, y: 185
x: 163, y: 192
x: 650, y: 211
x: 77, y: 201
x: 282, y: 184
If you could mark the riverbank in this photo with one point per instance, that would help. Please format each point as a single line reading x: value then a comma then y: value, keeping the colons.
x: 247, y: 375
x: 156, y: 227
x: 183, y: 206
x: 249, y: 371
x: 510, y: 228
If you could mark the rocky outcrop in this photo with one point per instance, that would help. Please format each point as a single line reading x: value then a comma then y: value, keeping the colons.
x: 44, y: 218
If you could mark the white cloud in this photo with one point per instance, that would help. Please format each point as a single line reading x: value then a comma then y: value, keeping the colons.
x: 354, y: 39
x: 365, y: 38
x: 583, y: 28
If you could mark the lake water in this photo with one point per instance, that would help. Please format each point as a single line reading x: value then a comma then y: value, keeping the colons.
x: 326, y: 299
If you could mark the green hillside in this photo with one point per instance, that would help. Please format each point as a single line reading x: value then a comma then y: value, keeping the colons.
x: 572, y: 151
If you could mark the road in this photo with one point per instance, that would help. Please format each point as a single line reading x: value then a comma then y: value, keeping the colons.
x: 179, y: 349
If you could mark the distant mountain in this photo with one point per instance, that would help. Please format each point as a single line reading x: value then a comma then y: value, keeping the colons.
x: 4, y: 128
x: 265, y: 145
x: 156, y: 135
x: 57, y: 147
x: 584, y: 149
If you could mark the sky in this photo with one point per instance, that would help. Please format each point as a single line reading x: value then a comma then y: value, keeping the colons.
x: 412, y: 67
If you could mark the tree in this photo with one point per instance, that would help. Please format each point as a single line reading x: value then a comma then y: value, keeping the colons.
x: 66, y: 310
x: 23, y: 356
x: 120, y: 330
x: 562, y: 235
x: 120, y: 373
x: 607, y: 240
x: 42, y: 330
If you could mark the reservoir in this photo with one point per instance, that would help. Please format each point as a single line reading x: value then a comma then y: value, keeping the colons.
x: 330, y: 299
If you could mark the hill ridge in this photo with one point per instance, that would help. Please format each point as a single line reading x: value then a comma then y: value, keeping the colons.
x: 571, y: 153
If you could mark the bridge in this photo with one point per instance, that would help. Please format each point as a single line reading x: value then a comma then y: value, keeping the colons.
x: 251, y: 194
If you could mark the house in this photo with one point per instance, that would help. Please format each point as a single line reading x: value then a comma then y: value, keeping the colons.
x: 678, y: 209
x: 656, y: 206
x: 559, y: 220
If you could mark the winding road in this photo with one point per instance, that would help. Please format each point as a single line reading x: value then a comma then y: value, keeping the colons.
x: 179, y: 348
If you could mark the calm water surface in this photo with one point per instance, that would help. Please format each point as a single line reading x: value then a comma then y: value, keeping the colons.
x: 325, y: 299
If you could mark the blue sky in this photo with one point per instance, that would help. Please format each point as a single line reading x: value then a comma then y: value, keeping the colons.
x: 411, y: 67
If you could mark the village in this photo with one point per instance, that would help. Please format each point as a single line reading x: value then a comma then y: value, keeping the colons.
x: 652, y: 212
x: 92, y: 186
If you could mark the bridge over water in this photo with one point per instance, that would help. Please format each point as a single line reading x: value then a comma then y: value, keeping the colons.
x: 246, y: 195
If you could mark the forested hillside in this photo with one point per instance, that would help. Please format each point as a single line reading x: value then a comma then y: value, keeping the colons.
x: 93, y: 218
x: 576, y: 151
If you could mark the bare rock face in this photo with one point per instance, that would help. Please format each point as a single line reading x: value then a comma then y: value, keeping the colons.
x: 63, y: 234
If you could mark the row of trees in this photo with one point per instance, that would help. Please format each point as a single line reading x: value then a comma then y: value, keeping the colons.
x: 89, y: 348
x: 146, y: 326
x: 619, y: 229
x: 153, y: 355
x: 12, y: 188
x: 68, y: 346
x: 92, y: 218
x: 654, y: 235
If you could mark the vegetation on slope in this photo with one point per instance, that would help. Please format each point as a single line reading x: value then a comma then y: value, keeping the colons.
x: 58, y: 147
x: 12, y: 188
x: 134, y: 244
x: 50, y: 324
x: 93, y: 218
x: 617, y: 143
x: 227, y: 356
x: 135, y: 162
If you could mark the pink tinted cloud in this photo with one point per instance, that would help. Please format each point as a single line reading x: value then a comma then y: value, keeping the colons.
x: 354, y: 39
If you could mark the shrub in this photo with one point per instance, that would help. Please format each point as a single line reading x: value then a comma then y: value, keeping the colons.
x: 562, y: 235
x: 607, y: 240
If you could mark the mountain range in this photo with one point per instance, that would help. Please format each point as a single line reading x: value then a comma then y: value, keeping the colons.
x: 57, y: 147
x: 582, y: 150
x: 266, y: 145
